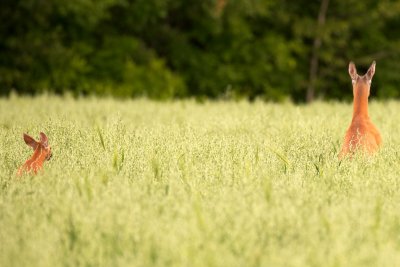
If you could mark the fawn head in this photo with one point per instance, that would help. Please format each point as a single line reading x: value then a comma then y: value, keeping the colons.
x: 361, y: 84
x: 43, y: 144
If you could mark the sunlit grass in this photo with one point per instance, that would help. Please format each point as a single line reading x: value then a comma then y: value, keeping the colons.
x: 141, y: 183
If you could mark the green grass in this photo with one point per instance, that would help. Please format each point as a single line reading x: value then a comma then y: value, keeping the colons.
x: 140, y: 183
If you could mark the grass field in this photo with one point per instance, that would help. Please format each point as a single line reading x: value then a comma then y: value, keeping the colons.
x: 141, y: 183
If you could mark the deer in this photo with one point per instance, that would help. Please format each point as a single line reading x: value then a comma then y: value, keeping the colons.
x: 42, y: 152
x: 362, y: 133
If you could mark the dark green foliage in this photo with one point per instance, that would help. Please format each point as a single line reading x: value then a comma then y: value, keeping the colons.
x: 176, y: 48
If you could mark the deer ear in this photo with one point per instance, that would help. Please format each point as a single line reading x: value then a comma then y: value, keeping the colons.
x: 353, y: 71
x: 371, y: 71
x: 30, y: 141
x: 44, y: 140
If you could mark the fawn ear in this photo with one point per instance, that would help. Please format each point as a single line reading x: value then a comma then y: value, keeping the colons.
x: 371, y: 71
x: 353, y: 71
x: 30, y: 141
x: 44, y: 140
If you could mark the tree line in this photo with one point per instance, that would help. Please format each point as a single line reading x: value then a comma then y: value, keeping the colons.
x: 162, y: 49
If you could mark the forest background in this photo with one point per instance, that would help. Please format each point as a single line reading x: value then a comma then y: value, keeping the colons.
x: 165, y: 49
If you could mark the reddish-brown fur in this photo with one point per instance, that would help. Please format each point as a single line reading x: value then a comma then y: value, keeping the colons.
x: 42, y: 152
x: 362, y: 133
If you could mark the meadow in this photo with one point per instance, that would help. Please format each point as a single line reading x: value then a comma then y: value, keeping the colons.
x: 182, y: 183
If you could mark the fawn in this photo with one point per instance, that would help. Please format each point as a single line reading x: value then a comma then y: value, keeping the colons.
x: 361, y: 133
x: 42, y: 152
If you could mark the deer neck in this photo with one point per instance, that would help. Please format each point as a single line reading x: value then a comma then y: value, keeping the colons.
x: 360, y: 104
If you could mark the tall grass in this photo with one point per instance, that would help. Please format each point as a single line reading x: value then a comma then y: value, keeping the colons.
x: 141, y: 183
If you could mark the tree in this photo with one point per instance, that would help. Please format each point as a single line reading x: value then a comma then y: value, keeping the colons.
x: 274, y: 49
x: 316, y: 45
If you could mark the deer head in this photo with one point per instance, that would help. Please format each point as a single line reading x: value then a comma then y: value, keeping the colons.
x: 361, y: 84
x: 43, y: 144
x: 42, y: 152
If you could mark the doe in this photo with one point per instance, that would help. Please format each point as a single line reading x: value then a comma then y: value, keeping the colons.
x: 362, y: 133
x: 42, y: 152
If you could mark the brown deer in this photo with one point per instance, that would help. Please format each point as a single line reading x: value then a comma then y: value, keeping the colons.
x: 362, y: 133
x: 42, y: 152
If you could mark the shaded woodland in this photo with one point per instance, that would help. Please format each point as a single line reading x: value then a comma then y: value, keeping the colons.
x: 162, y: 49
